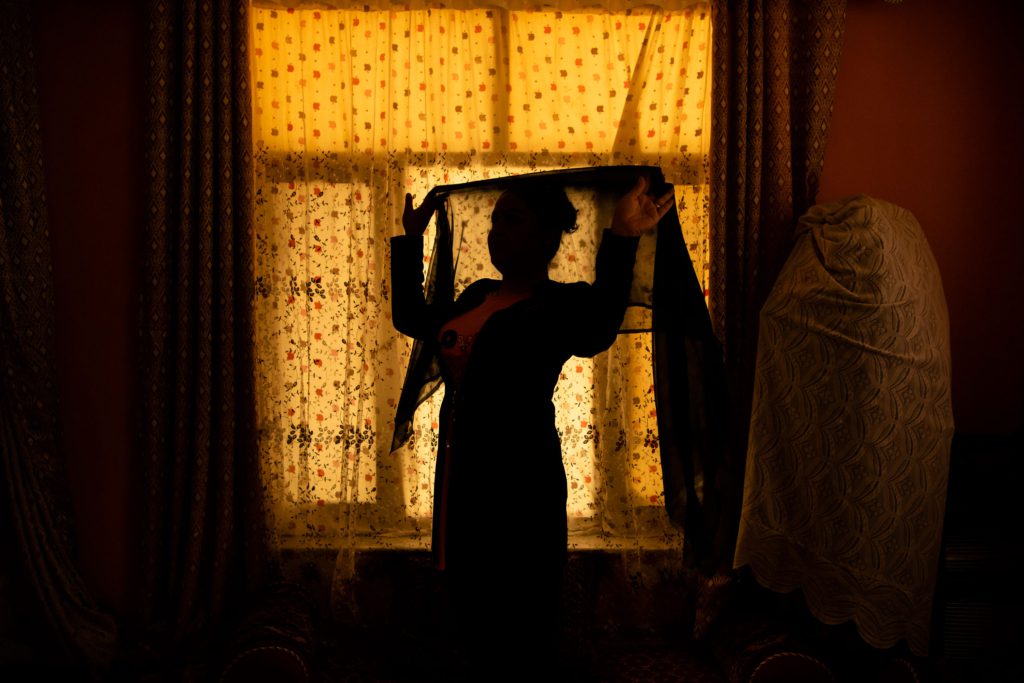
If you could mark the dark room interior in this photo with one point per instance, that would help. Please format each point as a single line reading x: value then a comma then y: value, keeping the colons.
x: 927, y: 115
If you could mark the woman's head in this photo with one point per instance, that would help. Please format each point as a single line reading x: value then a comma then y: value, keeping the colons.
x: 527, y: 226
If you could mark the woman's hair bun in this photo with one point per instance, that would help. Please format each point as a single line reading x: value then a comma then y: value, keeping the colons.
x: 549, y: 201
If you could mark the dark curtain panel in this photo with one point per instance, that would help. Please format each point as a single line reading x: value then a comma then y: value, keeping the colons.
x: 204, y: 530
x: 36, y: 499
x: 774, y: 73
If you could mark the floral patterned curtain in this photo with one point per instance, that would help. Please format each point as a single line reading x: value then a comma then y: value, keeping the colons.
x: 354, y: 108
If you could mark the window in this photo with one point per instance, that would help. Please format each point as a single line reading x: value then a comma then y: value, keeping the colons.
x: 354, y: 108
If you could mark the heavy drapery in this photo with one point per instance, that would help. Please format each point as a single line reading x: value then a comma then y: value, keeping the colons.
x: 203, y: 524
x: 36, y: 498
x: 355, y: 108
x: 774, y: 74
x: 852, y: 424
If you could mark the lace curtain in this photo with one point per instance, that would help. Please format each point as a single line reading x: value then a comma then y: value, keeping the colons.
x: 354, y: 108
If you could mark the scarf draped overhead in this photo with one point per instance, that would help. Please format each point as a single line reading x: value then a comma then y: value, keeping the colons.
x: 666, y: 304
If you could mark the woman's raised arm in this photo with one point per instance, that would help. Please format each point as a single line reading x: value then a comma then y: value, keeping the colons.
x: 410, y: 312
x: 598, y: 309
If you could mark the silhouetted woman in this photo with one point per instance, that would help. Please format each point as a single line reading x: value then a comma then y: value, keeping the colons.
x: 500, y: 489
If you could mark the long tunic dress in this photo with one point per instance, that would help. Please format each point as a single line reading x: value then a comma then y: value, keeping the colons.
x: 508, y: 489
x: 499, y: 467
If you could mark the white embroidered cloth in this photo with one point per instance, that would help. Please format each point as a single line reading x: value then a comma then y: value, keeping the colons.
x: 851, y: 424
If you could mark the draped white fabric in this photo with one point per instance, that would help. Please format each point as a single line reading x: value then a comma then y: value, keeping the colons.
x: 852, y: 423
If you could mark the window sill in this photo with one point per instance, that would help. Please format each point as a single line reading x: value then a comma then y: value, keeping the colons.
x: 577, y: 543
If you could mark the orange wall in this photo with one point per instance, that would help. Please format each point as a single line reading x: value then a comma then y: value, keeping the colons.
x: 929, y: 115
x: 90, y: 93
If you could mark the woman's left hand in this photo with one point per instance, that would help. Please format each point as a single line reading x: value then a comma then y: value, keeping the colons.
x: 638, y: 213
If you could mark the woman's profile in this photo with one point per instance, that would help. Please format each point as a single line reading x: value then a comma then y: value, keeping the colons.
x: 499, y: 531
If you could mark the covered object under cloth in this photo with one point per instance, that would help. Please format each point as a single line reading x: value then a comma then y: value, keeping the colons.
x: 852, y: 423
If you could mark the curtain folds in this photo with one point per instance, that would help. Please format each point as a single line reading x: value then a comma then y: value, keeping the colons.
x: 36, y: 496
x: 204, y: 529
x: 774, y: 74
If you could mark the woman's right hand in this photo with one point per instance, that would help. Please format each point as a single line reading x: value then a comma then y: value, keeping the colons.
x: 415, y: 220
